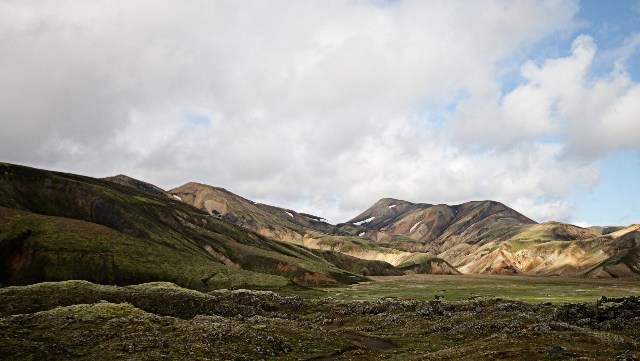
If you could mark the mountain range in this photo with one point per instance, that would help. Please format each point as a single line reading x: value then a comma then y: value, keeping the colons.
x: 119, y: 230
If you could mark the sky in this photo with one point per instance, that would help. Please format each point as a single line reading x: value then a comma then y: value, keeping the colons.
x: 327, y: 106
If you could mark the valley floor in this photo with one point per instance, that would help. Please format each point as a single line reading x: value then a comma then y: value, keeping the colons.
x: 82, y: 320
x: 528, y: 289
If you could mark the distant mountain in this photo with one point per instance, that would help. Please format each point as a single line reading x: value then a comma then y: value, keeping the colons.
x: 306, y: 230
x: 121, y: 230
x: 57, y: 226
x: 275, y: 222
x: 385, y: 212
x: 138, y: 184
x: 436, y: 228
x: 488, y: 237
x: 484, y: 237
x: 626, y: 261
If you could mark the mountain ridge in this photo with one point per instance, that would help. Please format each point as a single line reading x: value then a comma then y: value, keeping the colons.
x: 483, y: 237
x: 118, y: 224
x: 389, y: 238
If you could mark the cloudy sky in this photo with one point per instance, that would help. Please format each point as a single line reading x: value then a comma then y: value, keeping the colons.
x: 327, y: 106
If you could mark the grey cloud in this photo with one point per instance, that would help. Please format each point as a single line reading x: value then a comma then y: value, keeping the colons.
x: 320, y: 106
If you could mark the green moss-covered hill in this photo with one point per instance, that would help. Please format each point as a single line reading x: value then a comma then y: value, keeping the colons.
x: 57, y: 226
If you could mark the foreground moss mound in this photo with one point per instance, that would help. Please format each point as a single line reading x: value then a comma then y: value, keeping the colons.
x: 81, y: 320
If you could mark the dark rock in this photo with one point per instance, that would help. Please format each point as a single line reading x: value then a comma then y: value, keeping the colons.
x: 557, y: 350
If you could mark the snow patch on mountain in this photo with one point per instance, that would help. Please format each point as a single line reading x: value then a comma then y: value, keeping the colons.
x: 365, y: 221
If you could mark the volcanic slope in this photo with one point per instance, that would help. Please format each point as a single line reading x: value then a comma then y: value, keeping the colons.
x: 309, y: 231
x: 275, y: 222
x: 56, y: 226
x: 625, y: 261
x: 135, y: 183
x: 490, y: 238
x: 550, y: 248
x: 436, y: 228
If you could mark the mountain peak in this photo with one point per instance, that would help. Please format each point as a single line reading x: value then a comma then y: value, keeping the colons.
x: 385, y: 211
x: 125, y: 180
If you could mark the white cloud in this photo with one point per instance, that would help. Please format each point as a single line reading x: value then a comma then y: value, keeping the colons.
x: 318, y: 106
x: 544, y: 211
x: 560, y: 97
x: 583, y: 224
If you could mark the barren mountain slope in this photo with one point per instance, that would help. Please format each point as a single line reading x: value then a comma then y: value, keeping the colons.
x: 625, y: 261
x: 306, y: 230
x: 423, y: 227
x: 549, y: 249
x: 490, y: 238
x: 270, y: 221
x: 385, y: 212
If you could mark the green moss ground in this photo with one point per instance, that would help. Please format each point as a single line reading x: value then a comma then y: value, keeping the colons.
x: 527, y: 289
x: 83, y: 321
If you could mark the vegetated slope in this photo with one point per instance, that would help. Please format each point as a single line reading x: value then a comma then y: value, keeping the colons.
x: 58, y: 226
x: 35, y: 247
x: 307, y: 230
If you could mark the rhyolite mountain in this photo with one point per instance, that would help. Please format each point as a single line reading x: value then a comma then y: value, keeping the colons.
x: 274, y: 222
x: 488, y: 237
x: 306, y: 230
x: 120, y: 230
x: 482, y: 237
x: 435, y: 228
